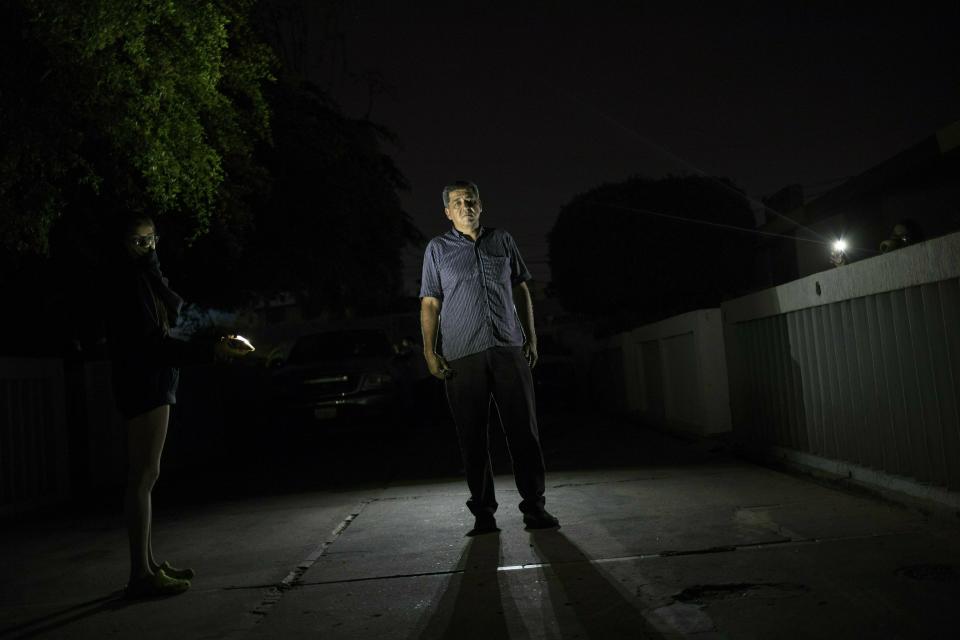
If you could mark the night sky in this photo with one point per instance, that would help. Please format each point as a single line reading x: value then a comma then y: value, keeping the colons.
x: 537, y: 103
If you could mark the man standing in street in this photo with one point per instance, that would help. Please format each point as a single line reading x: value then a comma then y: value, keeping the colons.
x: 479, y: 338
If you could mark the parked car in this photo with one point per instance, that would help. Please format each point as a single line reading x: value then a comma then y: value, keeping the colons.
x: 339, y: 376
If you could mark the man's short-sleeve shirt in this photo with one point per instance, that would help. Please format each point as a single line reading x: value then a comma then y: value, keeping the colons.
x: 474, y: 282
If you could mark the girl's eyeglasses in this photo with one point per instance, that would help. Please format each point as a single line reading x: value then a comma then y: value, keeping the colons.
x: 145, y: 241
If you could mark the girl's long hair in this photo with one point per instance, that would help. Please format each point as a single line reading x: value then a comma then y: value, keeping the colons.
x: 127, y: 227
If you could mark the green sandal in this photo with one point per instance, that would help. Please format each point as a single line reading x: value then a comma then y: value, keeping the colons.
x: 155, y: 585
x: 179, y: 574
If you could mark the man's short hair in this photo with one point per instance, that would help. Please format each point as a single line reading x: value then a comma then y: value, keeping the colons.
x: 457, y: 186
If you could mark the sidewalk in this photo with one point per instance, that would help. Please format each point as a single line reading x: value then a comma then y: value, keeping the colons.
x: 682, y: 543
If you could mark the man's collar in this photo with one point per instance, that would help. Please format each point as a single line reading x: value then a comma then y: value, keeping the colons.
x: 459, y: 234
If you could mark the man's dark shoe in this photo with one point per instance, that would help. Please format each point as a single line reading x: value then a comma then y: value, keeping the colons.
x: 484, y: 524
x: 540, y: 520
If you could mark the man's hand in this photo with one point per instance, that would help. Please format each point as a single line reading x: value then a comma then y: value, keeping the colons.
x: 524, y: 305
x: 438, y: 366
x: 530, y: 353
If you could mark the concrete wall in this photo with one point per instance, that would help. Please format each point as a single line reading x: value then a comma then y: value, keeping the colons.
x: 675, y: 372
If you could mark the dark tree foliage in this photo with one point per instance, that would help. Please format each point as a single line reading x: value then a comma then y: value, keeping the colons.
x: 334, y: 229
x: 167, y: 108
x: 151, y: 106
x: 612, y: 258
x: 111, y: 106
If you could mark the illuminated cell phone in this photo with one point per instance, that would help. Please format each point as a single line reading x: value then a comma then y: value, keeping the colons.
x: 239, y: 342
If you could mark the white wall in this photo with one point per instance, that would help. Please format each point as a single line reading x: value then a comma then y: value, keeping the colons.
x: 675, y: 372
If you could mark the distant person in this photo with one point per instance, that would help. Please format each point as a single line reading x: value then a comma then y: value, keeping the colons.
x: 479, y: 338
x: 903, y: 233
x: 838, y: 254
x: 141, y: 308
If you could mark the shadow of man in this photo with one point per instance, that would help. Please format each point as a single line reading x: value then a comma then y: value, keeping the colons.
x: 471, y: 605
x: 582, y: 597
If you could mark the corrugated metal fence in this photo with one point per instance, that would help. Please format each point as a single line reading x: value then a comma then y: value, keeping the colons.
x: 872, y: 380
x: 33, y: 436
x: 61, y: 435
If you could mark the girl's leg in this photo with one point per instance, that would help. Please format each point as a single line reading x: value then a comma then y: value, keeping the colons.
x: 146, y: 434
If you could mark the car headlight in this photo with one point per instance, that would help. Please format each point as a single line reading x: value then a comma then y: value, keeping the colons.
x: 375, y: 381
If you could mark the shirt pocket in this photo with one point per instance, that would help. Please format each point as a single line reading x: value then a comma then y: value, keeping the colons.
x: 496, y: 268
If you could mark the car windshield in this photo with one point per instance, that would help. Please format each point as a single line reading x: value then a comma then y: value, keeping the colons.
x: 340, y: 345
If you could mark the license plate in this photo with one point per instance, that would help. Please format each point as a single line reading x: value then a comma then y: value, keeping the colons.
x: 325, y: 413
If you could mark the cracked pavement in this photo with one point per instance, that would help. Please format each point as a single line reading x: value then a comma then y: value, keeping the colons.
x: 660, y: 538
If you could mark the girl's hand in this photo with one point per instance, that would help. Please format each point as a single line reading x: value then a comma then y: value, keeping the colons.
x: 233, y: 346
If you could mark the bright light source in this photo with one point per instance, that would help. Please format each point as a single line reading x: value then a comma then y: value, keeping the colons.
x: 241, y: 343
x: 840, y: 246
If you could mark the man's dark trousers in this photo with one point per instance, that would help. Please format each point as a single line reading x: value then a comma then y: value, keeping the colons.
x: 500, y: 373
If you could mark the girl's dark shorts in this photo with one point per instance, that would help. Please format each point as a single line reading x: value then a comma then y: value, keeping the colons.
x: 139, y: 390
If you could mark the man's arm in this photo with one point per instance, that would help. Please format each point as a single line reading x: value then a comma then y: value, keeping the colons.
x: 430, y: 326
x: 524, y: 304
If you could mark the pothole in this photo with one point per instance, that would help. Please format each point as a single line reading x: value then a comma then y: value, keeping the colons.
x: 702, y: 593
x: 931, y: 572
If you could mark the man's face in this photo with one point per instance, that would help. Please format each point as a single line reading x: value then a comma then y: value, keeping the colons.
x: 463, y: 209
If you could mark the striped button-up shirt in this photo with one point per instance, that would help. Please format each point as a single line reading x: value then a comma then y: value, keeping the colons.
x: 474, y: 282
